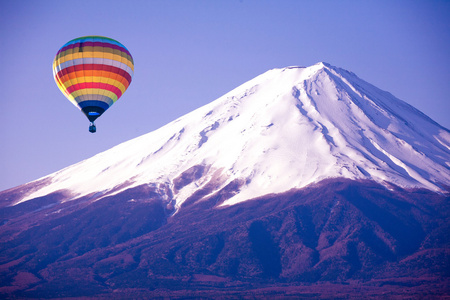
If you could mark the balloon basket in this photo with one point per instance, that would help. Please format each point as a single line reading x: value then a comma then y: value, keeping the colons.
x: 92, y: 128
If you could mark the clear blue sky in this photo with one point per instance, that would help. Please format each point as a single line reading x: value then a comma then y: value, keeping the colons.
x: 188, y: 53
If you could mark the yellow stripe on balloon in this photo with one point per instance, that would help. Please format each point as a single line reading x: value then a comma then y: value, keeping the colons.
x: 94, y: 79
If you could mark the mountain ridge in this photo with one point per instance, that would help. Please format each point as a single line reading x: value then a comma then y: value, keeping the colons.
x: 322, y: 119
x: 336, y: 237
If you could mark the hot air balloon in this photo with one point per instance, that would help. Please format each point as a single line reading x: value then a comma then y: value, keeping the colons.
x: 93, y: 72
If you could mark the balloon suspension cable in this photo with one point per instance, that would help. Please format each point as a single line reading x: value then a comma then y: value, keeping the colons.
x: 92, y: 127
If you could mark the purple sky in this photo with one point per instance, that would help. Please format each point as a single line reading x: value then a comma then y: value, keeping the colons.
x: 188, y: 53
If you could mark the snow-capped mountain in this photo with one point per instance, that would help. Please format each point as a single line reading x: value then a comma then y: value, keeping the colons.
x: 332, y: 160
x: 284, y: 129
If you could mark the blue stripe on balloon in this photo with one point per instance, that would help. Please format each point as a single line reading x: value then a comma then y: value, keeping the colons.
x: 101, y: 104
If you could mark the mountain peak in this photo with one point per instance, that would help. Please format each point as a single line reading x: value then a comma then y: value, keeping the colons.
x: 308, y: 70
x: 284, y: 129
x: 323, y: 64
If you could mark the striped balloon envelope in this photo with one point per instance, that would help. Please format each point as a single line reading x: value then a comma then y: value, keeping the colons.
x: 93, y: 72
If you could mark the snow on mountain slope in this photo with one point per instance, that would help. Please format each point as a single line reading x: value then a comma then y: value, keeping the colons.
x: 284, y: 129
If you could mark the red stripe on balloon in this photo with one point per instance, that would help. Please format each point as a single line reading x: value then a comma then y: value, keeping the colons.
x: 95, y: 67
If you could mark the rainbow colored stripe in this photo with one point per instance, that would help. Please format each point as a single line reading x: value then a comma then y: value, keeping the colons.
x: 93, y: 72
